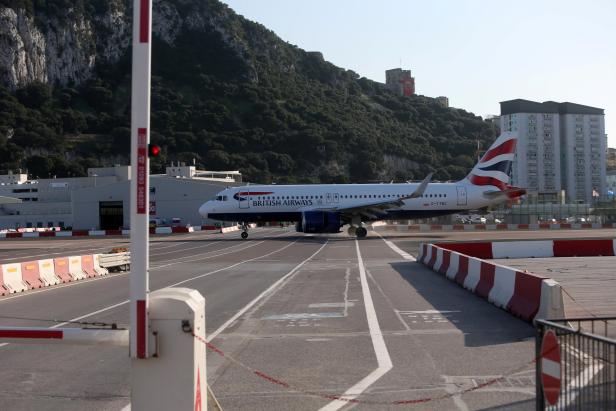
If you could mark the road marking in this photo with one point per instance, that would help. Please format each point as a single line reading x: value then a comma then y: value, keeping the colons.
x: 330, y: 305
x: 394, y: 247
x: 111, y: 307
x: 302, y: 316
x: 270, y: 289
x: 378, y: 342
x: 85, y: 281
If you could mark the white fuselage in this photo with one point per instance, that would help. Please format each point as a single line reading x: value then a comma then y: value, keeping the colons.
x: 280, y: 202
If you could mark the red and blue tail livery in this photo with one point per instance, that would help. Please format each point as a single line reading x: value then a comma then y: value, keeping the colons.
x: 494, y: 168
x: 325, y: 208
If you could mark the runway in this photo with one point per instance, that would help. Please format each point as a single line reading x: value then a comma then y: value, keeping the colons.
x: 321, y: 315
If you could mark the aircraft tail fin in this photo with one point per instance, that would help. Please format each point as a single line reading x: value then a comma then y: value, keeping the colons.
x: 494, y: 168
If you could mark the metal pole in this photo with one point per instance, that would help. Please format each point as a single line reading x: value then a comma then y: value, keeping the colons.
x: 140, y: 191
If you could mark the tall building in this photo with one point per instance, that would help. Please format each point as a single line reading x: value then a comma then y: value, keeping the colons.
x: 400, y: 81
x: 561, y: 146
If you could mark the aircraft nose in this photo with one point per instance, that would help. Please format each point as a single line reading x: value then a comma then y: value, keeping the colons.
x: 203, y: 210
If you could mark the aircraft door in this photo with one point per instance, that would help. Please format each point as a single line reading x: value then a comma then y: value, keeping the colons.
x: 243, y: 198
x: 336, y: 198
x: 461, y: 195
x: 328, y: 198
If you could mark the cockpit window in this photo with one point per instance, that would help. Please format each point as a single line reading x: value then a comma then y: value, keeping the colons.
x: 221, y: 198
x: 225, y: 198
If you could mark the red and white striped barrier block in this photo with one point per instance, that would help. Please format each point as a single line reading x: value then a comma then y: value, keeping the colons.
x: 18, y: 277
x: 491, y: 227
x: 534, y: 248
x: 523, y: 294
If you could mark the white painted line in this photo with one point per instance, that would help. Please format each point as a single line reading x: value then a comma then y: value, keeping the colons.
x: 378, y: 342
x: 394, y: 247
x: 111, y: 307
x: 270, y: 289
x: 330, y: 305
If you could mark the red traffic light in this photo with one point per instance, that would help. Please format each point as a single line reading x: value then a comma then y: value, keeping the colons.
x: 153, y: 150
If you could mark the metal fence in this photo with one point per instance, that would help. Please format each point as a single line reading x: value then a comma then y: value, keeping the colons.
x: 576, y: 364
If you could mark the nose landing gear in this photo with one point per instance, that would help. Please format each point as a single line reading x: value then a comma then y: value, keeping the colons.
x: 244, y: 234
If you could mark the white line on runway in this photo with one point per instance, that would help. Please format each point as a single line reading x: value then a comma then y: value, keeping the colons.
x: 89, y: 280
x: 394, y: 247
x: 378, y: 342
x: 271, y: 289
x: 111, y: 307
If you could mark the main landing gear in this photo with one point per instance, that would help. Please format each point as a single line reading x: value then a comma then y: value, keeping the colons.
x: 244, y: 234
x: 359, y: 232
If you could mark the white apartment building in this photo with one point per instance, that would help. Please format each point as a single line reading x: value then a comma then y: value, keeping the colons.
x: 561, y: 146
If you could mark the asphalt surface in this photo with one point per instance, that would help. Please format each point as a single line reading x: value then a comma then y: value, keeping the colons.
x: 315, y: 333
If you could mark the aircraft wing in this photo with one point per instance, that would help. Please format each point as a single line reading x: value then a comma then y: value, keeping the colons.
x: 372, y: 209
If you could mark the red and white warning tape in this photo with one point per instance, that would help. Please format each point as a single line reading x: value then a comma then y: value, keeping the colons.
x: 333, y: 397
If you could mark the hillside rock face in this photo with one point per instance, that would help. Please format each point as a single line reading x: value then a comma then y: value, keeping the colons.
x: 65, y: 51
x: 22, y: 50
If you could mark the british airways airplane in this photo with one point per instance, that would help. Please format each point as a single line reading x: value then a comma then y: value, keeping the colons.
x: 325, y: 208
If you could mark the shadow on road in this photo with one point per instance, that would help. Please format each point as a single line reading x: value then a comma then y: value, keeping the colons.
x: 481, y: 322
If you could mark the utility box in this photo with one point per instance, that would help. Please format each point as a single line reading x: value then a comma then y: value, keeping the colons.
x: 174, y: 377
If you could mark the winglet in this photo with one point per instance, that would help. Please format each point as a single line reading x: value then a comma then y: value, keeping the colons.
x: 422, y: 187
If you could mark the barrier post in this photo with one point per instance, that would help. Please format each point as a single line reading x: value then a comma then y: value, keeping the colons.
x: 174, y: 378
x: 139, y: 193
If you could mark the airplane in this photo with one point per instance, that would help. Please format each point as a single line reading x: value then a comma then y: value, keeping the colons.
x: 325, y: 208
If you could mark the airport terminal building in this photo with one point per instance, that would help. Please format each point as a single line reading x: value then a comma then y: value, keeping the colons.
x: 101, y: 200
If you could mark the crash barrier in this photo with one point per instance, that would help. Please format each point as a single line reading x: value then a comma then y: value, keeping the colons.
x: 101, y: 233
x: 523, y: 294
x: 576, y: 366
x: 491, y: 227
x: 534, y: 248
x: 18, y: 277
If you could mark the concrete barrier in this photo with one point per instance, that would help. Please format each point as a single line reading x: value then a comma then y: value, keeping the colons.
x: 47, y: 272
x: 523, y: 294
x: 534, y: 248
x: 490, y: 227
x: 97, y: 265
x: 12, y: 279
x: 60, y: 266
x: 74, y: 267
x: 31, y: 275
x: 87, y: 266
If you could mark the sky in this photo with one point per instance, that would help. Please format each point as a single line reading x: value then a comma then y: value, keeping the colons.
x: 476, y: 52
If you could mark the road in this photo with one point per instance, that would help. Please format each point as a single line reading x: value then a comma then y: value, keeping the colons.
x: 304, y: 318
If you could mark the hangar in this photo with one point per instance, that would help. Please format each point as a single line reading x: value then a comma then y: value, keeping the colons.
x: 102, y: 199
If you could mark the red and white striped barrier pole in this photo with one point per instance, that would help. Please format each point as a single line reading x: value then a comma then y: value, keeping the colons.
x: 78, y: 336
x: 140, y: 190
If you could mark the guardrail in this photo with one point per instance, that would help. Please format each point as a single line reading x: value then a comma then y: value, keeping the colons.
x: 115, y: 261
x: 575, y: 367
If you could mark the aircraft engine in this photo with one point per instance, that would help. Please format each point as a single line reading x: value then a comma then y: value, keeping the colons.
x: 319, y: 222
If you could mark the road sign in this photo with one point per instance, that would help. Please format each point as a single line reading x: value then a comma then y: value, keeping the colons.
x: 550, y: 367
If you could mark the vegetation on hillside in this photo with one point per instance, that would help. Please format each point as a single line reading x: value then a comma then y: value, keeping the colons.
x: 257, y: 104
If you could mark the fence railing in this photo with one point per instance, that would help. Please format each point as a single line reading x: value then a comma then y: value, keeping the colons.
x: 576, y: 364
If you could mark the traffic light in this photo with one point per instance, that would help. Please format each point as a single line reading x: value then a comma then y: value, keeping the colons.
x: 153, y: 150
